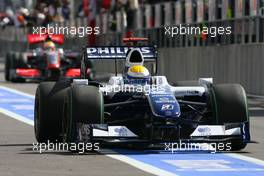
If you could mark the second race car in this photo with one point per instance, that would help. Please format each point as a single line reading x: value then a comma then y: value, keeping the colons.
x: 45, y: 62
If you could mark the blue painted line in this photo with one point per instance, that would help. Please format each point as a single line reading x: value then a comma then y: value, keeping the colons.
x: 193, y: 163
x: 17, y: 103
x: 182, y: 164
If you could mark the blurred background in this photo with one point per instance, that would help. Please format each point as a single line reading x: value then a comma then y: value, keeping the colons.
x: 227, y: 58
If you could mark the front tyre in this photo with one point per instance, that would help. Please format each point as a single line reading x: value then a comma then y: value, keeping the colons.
x: 229, y: 105
x: 83, y: 104
x: 48, y: 110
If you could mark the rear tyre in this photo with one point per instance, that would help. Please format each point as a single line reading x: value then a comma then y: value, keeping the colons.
x: 16, y: 61
x: 7, y: 66
x: 229, y: 105
x: 83, y: 104
x: 48, y: 110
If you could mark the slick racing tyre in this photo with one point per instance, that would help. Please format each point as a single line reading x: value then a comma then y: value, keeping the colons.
x: 16, y: 61
x: 229, y: 105
x: 48, y: 110
x: 83, y: 104
x: 7, y: 66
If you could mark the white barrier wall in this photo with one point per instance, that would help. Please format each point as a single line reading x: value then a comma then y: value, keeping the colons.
x: 226, y: 64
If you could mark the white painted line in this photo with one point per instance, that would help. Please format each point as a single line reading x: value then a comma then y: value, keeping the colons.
x: 246, y: 158
x: 140, y: 165
x: 231, y: 170
x: 17, y: 117
x: 17, y: 92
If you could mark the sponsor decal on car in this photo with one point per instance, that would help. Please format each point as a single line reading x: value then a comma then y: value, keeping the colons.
x: 204, y: 129
x: 167, y: 107
x: 118, y: 52
x: 121, y: 131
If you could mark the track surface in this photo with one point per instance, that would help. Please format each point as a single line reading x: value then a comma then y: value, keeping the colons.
x: 17, y: 157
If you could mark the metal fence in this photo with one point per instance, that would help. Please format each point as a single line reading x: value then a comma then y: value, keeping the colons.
x: 246, y: 30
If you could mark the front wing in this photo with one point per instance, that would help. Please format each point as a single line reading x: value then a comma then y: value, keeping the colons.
x: 37, y: 74
x: 202, y: 134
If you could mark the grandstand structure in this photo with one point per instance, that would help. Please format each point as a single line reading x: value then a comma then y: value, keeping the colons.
x: 244, y: 17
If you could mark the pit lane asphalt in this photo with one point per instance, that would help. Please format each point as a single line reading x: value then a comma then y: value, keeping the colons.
x: 17, y: 157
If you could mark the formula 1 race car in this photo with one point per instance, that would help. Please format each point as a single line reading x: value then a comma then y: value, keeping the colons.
x: 44, y: 62
x: 136, y: 107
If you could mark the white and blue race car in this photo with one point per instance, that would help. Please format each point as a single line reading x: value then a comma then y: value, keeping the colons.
x: 136, y: 107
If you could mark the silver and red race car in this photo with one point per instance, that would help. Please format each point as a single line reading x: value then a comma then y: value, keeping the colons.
x: 45, y: 62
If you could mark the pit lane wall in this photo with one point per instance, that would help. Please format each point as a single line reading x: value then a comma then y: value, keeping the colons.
x: 242, y: 64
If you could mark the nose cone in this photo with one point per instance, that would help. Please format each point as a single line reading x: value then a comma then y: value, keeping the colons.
x: 53, y: 60
x: 164, y: 105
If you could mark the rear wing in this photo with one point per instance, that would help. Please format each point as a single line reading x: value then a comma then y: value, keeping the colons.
x: 37, y: 38
x: 149, y: 53
x: 119, y: 52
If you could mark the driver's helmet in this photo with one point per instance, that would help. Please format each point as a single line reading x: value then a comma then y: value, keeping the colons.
x: 137, y: 74
x: 49, y: 46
